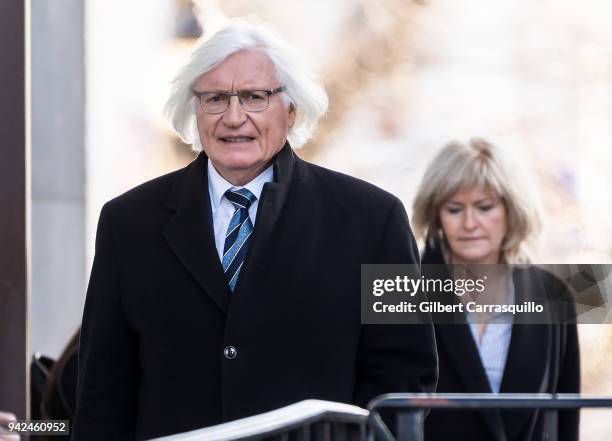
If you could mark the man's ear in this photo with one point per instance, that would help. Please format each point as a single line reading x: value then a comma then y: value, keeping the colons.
x: 292, y: 114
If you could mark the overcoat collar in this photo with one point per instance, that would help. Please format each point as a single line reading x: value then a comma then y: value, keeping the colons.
x: 190, y: 234
x: 273, y: 201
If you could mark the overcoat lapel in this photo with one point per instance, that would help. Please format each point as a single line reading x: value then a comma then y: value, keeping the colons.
x: 457, y: 338
x: 190, y: 234
x: 273, y: 198
x: 463, y: 352
x: 527, y: 366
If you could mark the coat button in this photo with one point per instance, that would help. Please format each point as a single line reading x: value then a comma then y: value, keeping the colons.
x: 230, y: 352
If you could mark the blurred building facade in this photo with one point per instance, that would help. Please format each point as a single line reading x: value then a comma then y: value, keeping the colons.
x: 59, y: 268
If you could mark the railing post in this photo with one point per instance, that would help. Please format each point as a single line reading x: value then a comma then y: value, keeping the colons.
x: 410, y: 425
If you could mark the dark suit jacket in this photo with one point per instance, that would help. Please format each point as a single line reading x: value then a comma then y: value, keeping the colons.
x: 159, y: 313
x: 542, y: 358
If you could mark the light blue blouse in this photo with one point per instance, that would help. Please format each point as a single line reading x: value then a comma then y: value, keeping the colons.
x: 495, y: 342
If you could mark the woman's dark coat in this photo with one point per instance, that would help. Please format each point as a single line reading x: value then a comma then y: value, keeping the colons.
x: 542, y: 358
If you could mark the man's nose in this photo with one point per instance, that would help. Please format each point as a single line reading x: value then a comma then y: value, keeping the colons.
x: 234, y: 116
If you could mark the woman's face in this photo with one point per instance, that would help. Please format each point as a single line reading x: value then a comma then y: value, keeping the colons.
x: 474, y: 224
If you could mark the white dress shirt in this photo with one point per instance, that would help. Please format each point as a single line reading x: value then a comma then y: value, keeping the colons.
x: 222, y: 209
x: 495, y: 342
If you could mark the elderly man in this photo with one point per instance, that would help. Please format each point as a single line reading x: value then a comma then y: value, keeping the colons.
x: 232, y: 287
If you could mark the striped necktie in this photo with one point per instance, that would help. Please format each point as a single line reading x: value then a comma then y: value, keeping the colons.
x: 238, y: 234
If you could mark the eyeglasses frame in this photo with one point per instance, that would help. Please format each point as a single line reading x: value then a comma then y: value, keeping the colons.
x: 271, y: 92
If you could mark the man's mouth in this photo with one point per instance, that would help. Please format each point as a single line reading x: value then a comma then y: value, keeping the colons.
x: 235, y: 139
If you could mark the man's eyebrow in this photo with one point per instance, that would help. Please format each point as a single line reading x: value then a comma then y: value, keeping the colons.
x: 244, y: 89
x: 210, y: 90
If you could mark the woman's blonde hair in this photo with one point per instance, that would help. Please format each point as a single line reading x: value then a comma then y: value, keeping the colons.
x: 466, y: 165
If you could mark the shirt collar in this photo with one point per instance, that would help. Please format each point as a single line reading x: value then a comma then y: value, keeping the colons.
x: 218, y: 185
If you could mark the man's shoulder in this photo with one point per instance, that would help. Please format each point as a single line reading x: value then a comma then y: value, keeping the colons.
x: 349, y: 187
x: 149, y: 194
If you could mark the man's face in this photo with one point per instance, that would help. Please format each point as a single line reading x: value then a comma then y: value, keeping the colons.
x: 241, y: 144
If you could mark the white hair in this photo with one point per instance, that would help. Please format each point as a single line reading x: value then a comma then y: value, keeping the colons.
x: 302, y: 89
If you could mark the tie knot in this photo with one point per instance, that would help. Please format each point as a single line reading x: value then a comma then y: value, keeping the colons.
x: 240, y: 198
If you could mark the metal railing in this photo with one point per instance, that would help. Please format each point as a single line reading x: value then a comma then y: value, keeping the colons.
x: 308, y: 420
x: 410, y: 408
x: 315, y: 420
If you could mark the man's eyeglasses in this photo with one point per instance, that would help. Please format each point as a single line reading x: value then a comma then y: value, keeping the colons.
x: 250, y: 100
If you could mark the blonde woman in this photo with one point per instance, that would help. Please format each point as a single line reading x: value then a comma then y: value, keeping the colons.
x: 472, y: 208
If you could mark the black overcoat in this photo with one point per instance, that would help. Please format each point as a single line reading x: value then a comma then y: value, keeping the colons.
x: 159, y: 318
